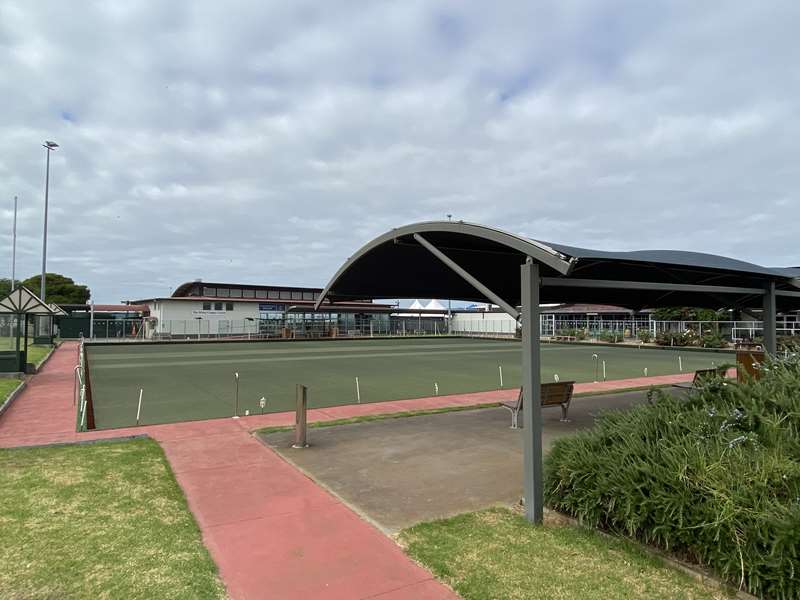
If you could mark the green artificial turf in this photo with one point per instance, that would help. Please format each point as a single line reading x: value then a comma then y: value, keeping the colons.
x: 185, y: 381
x: 497, y: 555
x: 105, y: 520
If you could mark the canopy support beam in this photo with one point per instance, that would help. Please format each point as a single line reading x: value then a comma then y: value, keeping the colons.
x: 532, y: 394
x: 467, y: 277
x: 649, y: 285
x: 770, y: 326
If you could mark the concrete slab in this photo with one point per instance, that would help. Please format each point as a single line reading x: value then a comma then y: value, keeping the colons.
x: 402, y: 471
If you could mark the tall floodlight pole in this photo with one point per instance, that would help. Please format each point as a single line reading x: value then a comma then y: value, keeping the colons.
x: 49, y: 147
x: 14, y: 249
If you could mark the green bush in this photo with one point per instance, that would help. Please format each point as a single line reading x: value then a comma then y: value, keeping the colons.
x: 610, y: 336
x: 713, y: 340
x: 714, y: 478
x: 676, y: 338
x: 645, y: 335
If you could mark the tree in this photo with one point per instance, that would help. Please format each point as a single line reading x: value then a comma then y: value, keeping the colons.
x: 687, y: 313
x: 60, y: 289
x: 5, y: 287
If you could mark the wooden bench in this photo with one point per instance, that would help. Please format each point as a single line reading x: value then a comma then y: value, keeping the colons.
x: 701, y: 376
x: 553, y: 394
x: 563, y: 338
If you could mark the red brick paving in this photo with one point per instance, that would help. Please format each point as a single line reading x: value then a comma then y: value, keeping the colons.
x: 272, y: 531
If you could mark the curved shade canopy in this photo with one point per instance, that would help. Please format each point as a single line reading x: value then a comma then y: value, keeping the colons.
x: 398, y: 265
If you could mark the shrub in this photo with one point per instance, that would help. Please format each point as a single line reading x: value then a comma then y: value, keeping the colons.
x: 675, y: 338
x: 713, y: 340
x: 645, y: 335
x: 609, y: 335
x: 714, y: 478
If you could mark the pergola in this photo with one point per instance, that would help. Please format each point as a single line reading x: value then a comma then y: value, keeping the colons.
x: 465, y: 261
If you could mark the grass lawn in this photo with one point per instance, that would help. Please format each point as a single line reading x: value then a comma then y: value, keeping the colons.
x: 6, y: 387
x: 36, y: 354
x: 106, y: 520
x: 496, y: 555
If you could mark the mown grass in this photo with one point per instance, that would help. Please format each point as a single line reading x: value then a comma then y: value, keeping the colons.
x: 497, y: 555
x: 36, y: 354
x: 106, y: 520
x: 7, y: 386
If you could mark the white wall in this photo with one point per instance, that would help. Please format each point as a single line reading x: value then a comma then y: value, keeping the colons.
x: 179, y: 317
x: 483, y: 322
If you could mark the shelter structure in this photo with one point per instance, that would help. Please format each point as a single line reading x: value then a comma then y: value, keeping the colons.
x: 22, y: 303
x: 465, y: 261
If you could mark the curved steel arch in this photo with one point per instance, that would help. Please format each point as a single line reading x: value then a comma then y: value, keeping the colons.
x: 543, y: 253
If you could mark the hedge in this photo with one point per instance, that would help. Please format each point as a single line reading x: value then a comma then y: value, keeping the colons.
x: 713, y: 478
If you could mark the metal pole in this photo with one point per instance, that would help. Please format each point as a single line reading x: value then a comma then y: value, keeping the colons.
x: 300, y: 419
x: 14, y: 249
x: 49, y: 147
x: 769, y: 325
x: 91, y: 320
x: 236, y: 397
x: 532, y: 394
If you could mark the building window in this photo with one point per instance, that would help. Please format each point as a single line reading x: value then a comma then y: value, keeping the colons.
x: 273, y: 294
x: 286, y: 295
x: 261, y: 294
x: 217, y: 305
x: 223, y: 292
x: 209, y: 292
x: 229, y: 306
x: 248, y: 294
x: 206, y: 305
x: 236, y: 293
x: 297, y: 295
x: 308, y: 296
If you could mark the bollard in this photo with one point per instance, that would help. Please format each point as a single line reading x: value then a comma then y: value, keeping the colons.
x: 300, y: 422
x: 501, y: 375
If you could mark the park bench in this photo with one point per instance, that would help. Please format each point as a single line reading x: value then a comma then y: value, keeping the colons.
x: 701, y: 376
x: 553, y: 394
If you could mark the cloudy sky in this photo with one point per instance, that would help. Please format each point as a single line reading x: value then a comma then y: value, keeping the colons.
x: 264, y: 141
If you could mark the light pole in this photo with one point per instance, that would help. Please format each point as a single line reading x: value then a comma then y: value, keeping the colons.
x: 49, y: 147
x: 14, y: 249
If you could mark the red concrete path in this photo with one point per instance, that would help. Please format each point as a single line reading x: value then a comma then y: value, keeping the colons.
x: 272, y: 531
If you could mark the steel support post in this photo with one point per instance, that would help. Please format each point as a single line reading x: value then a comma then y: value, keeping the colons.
x: 532, y: 390
x: 770, y: 326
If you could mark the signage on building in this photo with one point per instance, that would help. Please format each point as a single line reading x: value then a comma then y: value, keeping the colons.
x: 262, y: 307
x: 208, y: 313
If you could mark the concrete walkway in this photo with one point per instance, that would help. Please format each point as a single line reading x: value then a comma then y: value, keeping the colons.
x: 272, y: 531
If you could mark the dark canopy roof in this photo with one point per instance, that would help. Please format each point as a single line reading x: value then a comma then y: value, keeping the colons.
x: 396, y: 265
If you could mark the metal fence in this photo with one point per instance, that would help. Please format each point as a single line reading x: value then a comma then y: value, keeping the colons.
x: 551, y: 326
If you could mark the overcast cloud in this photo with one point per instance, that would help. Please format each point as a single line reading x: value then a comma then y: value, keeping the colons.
x: 264, y: 142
